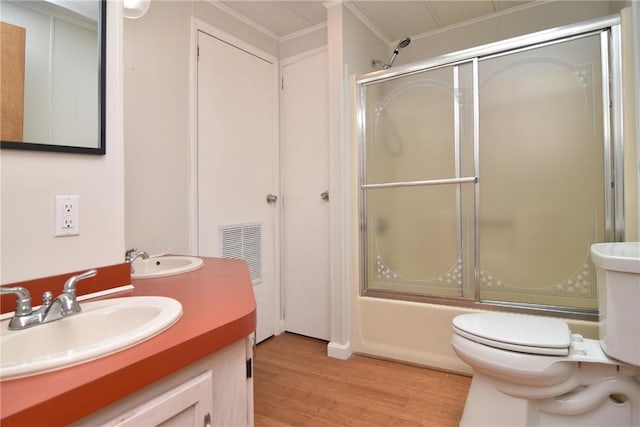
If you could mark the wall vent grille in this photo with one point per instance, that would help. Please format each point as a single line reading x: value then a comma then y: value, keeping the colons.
x: 243, y: 241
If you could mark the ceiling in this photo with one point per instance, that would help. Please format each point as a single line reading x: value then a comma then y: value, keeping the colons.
x: 391, y: 19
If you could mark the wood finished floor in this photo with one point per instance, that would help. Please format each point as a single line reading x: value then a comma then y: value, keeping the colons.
x: 296, y: 384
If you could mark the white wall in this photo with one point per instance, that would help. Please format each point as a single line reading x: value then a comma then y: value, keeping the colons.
x: 303, y: 41
x: 31, y: 180
x: 74, y: 98
x: 361, y: 45
x: 157, y: 122
x: 156, y: 128
x: 526, y: 19
x: 415, y: 332
x: 635, y: 18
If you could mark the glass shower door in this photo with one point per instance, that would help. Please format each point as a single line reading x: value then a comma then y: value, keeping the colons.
x: 486, y: 175
x: 418, y: 191
x: 542, y: 195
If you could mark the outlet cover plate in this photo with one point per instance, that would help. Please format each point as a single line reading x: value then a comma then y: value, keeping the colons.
x: 67, y: 216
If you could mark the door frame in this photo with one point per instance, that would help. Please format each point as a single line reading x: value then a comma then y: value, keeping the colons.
x: 196, y: 26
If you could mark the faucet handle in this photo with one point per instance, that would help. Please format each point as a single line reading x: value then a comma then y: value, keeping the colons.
x: 70, y: 284
x: 23, y: 299
x: 129, y: 253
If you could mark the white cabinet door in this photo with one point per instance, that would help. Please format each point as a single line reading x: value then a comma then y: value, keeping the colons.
x: 215, y: 392
x: 189, y: 404
x: 230, y: 389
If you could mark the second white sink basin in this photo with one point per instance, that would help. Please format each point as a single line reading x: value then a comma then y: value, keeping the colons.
x: 102, y: 328
x: 166, y: 265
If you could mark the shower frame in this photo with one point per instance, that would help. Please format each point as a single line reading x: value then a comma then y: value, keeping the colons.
x: 610, y: 45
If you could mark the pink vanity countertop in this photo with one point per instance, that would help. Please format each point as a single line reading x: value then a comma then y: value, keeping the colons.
x: 218, y: 309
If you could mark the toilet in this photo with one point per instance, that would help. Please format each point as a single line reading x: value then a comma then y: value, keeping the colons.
x: 532, y: 371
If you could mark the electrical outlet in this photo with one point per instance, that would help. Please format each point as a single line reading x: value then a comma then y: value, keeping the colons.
x: 67, y: 216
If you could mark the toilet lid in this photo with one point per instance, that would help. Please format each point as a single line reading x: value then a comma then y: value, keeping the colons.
x: 516, y: 332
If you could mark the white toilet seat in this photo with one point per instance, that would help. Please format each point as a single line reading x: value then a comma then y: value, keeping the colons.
x: 516, y: 332
x: 506, y: 346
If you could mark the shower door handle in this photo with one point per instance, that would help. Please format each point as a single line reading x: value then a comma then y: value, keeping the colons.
x: 272, y: 199
x: 464, y: 180
x: 324, y: 196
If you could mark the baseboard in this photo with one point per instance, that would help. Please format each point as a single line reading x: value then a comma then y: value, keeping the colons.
x: 339, y: 351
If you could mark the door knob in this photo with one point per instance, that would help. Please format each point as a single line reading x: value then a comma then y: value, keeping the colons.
x: 324, y: 196
x: 272, y: 198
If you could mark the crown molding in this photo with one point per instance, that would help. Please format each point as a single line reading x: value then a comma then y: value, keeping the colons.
x: 303, y: 31
x: 240, y: 17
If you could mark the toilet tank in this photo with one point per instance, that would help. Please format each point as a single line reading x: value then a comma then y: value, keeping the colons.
x: 617, y: 267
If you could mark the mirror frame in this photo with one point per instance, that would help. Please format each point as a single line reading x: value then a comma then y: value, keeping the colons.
x: 102, y: 77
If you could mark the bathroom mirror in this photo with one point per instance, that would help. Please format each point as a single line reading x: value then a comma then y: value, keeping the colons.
x: 52, y: 88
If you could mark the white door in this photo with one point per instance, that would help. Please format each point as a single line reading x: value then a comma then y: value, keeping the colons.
x: 304, y: 177
x: 237, y: 135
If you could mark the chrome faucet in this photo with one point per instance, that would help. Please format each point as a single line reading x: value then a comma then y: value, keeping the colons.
x: 133, y: 254
x: 64, y: 305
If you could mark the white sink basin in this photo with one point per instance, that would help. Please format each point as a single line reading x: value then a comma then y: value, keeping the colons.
x: 103, y: 327
x: 166, y: 265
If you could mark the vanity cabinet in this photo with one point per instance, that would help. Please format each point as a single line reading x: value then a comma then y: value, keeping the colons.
x: 189, y: 404
x: 216, y: 392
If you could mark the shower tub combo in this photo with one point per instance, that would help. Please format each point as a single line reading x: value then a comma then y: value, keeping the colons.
x: 486, y: 174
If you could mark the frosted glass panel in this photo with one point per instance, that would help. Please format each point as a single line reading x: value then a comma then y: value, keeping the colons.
x: 419, y: 128
x: 416, y: 240
x: 541, y: 173
x: 410, y: 128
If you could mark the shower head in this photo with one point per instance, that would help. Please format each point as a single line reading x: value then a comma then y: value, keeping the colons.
x: 404, y: 42
x: 401, y: 45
